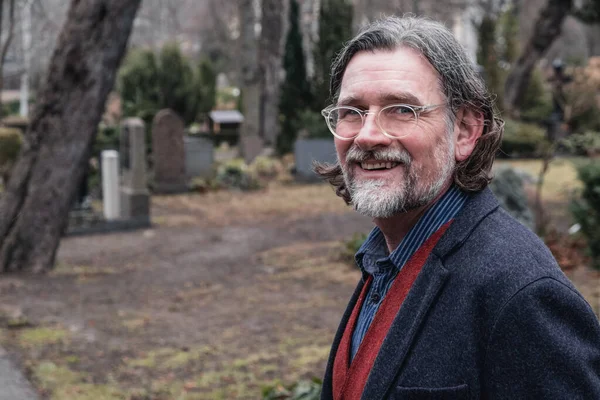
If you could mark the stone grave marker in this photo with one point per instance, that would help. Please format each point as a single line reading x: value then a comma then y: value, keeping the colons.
x: 251, y: 147
x: 199, y: 156
x: 168, y: 153
x: 135, y: 198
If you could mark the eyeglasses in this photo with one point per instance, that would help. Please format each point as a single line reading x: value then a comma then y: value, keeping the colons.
x: 395, y: 121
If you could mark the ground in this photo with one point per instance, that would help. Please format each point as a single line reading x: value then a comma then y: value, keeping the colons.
x: 217, y: 300
x: 227, y: 293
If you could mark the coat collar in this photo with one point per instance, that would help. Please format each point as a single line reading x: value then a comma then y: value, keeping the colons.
x: 479, y: 206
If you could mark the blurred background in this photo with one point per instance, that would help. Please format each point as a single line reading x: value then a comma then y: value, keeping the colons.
x: 162, y: 234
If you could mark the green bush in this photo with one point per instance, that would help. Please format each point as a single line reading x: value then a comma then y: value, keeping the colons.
x: 522, y: 140
x: 266, y: 168
x: 302, y: 390
x: 149, y: 83
x: 10, y: 145
x: 235, y: 174
x: 586, y: 208
x: 138, y: 85
x: 583, y: 144
x: 176, y: 82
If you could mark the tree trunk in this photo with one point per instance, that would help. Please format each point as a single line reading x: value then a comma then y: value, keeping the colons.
x: 546, y: 29
x: 34, y: 209
x: 250, y: 79
x: 271, y: 55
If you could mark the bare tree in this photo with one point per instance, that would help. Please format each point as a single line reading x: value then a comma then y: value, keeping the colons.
x: 547, y: 28
x: 250, y: 74
x: 271, y: 53
x: 34, y: 209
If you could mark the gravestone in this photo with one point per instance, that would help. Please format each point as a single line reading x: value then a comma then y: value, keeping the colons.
x: 135, y: 198
x: 307, y: 151
x: 199, y: 156
x: 251, y: 147
x: 168, y: 153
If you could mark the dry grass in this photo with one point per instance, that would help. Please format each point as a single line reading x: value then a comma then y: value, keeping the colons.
x: 225, y: 207
x: 560, y: 180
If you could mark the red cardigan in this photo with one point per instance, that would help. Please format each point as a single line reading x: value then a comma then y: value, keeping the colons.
x: 349, y: 379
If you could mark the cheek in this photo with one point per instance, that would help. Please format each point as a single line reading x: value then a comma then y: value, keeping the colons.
x: 341, y: 148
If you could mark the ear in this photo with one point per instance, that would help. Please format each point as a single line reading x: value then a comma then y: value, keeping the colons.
x: 468, y: 127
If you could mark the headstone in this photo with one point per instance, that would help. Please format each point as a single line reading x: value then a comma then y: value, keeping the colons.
x: 135, y: 198
x: 199, y: 156
x: 168, y: 153
x: 307, y: 151
x: 110, y: 185
x: 251, y: 147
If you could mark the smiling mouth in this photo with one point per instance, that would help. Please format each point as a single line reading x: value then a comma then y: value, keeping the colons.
x: 374, y: 166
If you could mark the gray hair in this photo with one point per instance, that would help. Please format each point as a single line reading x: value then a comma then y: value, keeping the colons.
x: 460, y: 82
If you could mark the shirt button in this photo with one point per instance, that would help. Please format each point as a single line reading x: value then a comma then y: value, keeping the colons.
x: 375, y: 297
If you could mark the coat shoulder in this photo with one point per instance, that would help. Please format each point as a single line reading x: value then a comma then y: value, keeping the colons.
x: 501, y: 256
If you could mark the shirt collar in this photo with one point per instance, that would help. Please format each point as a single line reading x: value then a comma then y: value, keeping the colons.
x: 373, y: 255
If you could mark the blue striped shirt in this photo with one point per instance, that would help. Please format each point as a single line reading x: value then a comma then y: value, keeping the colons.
x: 373, y: 257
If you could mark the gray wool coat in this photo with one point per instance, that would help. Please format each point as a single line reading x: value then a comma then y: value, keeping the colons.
x: 491, y: 316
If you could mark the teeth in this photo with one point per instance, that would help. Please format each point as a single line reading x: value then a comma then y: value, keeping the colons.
x: 387, y: 165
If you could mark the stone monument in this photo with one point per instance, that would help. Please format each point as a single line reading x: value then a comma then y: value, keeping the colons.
x: 135, y: 198
x: 251, y: 147
x: 199, y: 156
x: 168, y: 153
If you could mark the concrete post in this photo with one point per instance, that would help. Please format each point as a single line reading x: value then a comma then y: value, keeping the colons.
x: 110, y: 185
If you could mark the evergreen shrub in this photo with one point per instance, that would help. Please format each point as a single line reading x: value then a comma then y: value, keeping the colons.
x: 148, y: 83
x: 586, y: 208
x: 295, y: 89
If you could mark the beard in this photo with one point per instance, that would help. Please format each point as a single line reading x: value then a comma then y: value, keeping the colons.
x: 380, y: 198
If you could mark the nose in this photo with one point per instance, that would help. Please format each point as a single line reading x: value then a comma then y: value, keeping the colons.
x: 370, y: 135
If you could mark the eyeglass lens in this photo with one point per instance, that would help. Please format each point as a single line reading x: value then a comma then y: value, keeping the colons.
x: 395, y: 120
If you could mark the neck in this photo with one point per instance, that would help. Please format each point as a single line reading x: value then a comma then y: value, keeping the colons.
x: 396, y: 227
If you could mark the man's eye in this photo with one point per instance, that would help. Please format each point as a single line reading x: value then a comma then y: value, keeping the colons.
x: 399, y: 110
x: 348, y: 113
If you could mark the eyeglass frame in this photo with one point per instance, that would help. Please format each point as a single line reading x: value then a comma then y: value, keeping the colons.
x: 417, y: 110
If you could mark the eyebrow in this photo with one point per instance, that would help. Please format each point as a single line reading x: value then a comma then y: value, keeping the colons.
x: 386, y: 98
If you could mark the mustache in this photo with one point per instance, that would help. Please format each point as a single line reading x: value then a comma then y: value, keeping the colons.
x: 357, y: 155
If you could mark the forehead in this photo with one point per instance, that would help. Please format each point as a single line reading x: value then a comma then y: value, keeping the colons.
x: 384, y: 74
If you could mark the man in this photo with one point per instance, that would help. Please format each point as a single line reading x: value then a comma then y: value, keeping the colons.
x: 457, y: 300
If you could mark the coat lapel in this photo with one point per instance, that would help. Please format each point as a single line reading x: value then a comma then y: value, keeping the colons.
x: 405, y: 328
